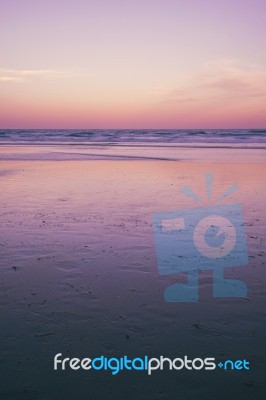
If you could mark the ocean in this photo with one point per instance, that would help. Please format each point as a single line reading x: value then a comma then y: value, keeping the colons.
x: 132, y: 135
x: 81, y: 265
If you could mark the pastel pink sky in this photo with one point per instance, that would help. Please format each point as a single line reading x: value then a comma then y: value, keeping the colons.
x: 132, y: 64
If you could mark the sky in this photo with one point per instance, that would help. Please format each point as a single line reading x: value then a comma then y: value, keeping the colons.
x: 132, y: 64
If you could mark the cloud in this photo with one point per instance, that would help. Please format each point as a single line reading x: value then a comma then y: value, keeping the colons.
x: 29, y: 75
x: 221, y: 79
x: 11, y: 79
x: 228, y: 77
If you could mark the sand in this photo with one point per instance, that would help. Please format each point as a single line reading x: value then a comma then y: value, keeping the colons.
x: 79, y: 276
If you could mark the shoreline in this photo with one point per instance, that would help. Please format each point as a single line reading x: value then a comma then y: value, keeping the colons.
x: 195, y: 152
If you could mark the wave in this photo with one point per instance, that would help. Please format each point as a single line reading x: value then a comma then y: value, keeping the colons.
x: 133, y: 135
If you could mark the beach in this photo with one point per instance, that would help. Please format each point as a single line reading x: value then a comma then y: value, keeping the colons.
x: 80, y: 276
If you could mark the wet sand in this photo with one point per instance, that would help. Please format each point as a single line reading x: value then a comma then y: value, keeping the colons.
x: 79, y: 276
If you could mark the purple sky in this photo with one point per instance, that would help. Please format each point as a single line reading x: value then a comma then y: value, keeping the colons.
x: 146, y: 63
